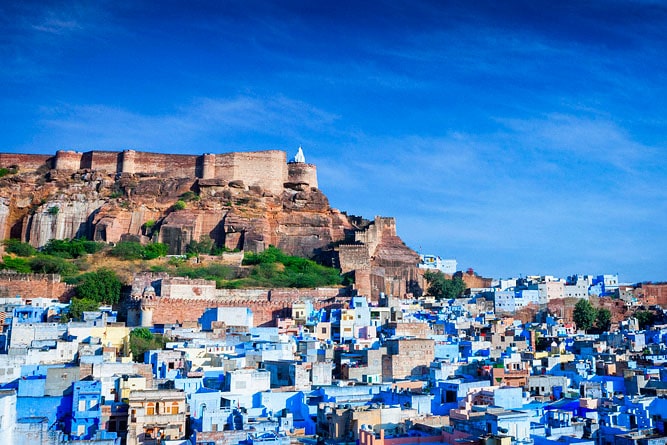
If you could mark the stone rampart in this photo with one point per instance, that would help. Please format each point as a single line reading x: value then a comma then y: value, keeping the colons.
x: 265, y: 311
x: 382, y: 227
x: 267, y: 169
x: 653, y: 294
x: 68, y: 160
x: 181, y: 300
x: 25, y: 162
x: 353, y: 256
x: 172, y: 165
x: 34, y: 286
x: 185, y: 288
x: 300, y: 173
x: 177, y: 288
x: 107, y: 161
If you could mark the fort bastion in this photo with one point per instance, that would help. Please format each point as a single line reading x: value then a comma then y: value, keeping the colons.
x: 267, y: 169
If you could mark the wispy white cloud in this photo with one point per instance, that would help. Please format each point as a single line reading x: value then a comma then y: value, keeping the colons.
x: 33, y: 37
x: 583, y: 192
x: 60, y: 26
x: 206, y: 120
x: 598, y: 140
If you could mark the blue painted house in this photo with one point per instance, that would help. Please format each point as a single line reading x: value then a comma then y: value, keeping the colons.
x: 86, y: 408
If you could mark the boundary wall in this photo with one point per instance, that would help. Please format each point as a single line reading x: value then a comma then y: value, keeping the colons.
x: 268, y: 169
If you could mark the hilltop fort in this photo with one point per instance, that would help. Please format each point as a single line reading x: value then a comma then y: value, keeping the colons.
x: 267, y: 169
x: 240, y: 200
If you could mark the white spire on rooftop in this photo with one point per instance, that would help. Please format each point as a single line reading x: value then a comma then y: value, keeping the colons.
x: 299, y: 157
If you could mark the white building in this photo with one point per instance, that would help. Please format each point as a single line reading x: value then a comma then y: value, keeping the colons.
x: 577, y: 286
x: 432, y: 262
x: 7, y: 414
x: 551, y: 290
x: 513, y: 299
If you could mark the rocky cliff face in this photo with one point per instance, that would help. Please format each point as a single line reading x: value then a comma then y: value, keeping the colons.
x: 42, y: 204
x: 62, y: 199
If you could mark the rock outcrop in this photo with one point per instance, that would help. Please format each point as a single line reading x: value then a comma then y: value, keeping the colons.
x: 117, y: 197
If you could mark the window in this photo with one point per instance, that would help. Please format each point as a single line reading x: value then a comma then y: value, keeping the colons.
x: 150, y: 409
x: 174, y: 407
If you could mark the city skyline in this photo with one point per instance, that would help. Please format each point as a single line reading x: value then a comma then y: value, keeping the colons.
x: 522, y: 138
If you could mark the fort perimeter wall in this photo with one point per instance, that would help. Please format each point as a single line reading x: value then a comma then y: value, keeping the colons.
x: 268, y: 169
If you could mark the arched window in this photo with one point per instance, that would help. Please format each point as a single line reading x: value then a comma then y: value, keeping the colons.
x: 150, y: 409
x: 174, y: 407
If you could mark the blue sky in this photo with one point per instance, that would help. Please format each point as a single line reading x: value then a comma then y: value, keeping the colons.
x: 519, y: 137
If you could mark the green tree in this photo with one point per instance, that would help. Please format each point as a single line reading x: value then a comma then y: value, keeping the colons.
x: 142, y: 340
x: 196, y: 248
x: 128, y: 250
x: 102, y: 286
x: 77, y: 306
x: 143, y: 333
x: 73, y: 248
x: 20, y: 265
x: 4, y: 171
x: 52, y: 264
x: 155, y: 250
x: 63, y: 248
x: 603, y: 320
x: 584, y: 314
x: 18, y: 248
x: 180, y: 205
x: 442, y: 288
x: 274, y: 268
x: 645, y: 319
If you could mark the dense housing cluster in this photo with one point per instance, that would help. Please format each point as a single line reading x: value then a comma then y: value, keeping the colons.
x: 487, y: 367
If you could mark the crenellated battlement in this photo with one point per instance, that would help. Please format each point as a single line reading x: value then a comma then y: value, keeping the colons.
x: 268, y: 169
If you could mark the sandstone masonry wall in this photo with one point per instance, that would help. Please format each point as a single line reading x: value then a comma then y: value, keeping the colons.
x: 181, y: 300
x: 654, y: 293
x: 175, y: 166
x: 353, y: 256
x: 25, y: 162
x: 300, y: 173
x: 108, y: 161
x: 267, y: 169
x: 33, y: 286
x: 265, y: 312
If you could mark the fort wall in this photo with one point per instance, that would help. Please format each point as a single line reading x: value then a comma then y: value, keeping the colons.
x: 268, y: 169
x: 208, y: 166
x: 107, y: 161
x: 353, y: 256
x: 300, y: 173
x: 382, y: 227
x: 265, y: 312
x: 172, y: 165
x: 25, y: 162
x: 34, y: 286
x: 181, y: 300
x: 68, y: 160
